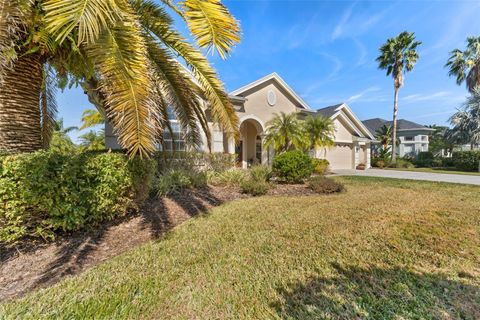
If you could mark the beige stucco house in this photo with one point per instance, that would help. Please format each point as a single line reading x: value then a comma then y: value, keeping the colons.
x: 259, y: 102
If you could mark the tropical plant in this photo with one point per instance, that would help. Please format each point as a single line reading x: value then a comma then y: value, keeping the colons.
x: 93, y: 140
x: 464, y: 65
x: 384, y: 135
x: 285, y: 132
x: 319, y: 131
x: 398, y: 56
x: 91, y: 118
x: 124, y: 55
x: 437, y: 141
x: 292, y: 166
x: 321, y: 184
x: 61, y: 141
x: 466, y: 122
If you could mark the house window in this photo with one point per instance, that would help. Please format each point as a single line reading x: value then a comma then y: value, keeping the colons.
x: 176, y: 140
x: 409, y: 138
x: 258, y: 149
x: 409, y: 148
x: 424, y: 138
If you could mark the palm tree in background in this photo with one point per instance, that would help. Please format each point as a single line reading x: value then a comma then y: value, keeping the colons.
x: 319, y: 132
x: 464, y: 65
x: 285, y: 132
x: 466, y: 123
x: 91, y: 118
x: 398, y: 56
x: 93, y: 140
x: 124, y: 54
x: 384, y: 135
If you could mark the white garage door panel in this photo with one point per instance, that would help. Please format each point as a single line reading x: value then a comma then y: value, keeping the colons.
x: 340, y: 157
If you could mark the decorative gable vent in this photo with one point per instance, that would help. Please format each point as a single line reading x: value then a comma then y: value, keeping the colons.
x: 271, y: 98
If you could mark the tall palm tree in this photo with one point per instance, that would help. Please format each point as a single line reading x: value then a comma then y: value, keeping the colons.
x: 91, y: 118
x: 465, y: 64
x: 319, y: 132
x: 466, y: 122
x: 125, y: 55
x: 285, y: 132
x: 398, y: 56
x: 93, y: 140
x: 384, y: 135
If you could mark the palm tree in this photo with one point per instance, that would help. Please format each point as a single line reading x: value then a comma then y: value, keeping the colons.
x: 91, y: 118
x: 319, y: 132
x: 466, y: 122
x: 285, y: 132
x: 384, y: 135
x: 124, y: 53
x: 93, y: 140
x: 398, y: 56
x: 465, y: 64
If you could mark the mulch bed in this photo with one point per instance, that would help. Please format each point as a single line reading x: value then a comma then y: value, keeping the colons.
x: 33, y: 264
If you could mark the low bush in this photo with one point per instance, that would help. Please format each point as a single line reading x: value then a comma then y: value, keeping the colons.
x: 325, y: 185
x: 143, y: 175
x: 379, y: 163
x: 230, y: 178
x: 260, y: 173
x: 255, y: 187
x: 425, y: 155
x: 292, y: 166
x: 401, y: 163
x: 217, y: 162
x: 320, y: 166
x: 466, y: 160
x: 176, y: 180
x: 46, y: 191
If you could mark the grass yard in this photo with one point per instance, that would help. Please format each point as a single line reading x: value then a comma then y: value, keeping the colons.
x: 384, y: 249
x: 436, y: 170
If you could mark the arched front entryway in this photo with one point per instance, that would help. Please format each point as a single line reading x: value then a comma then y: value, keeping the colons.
x: 250, y: 148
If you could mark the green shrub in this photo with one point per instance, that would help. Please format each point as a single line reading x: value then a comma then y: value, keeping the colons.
x: 466, y: 160
x: 425, y: 155
x: 424, y: 159
x: 260, y: 173
x: 43, y: 192
x: 402, y: 163
x: 176, y: 180
x: 230, y: 178
x: 255, y: 187
x: 184, y: 160
x: 292, y: 166
x: 447, y: 162
x: 379, y: 163
x: 325, y: 185
x: 320, y: 166
x: 143, y: 174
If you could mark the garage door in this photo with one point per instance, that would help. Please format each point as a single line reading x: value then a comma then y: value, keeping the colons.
x: 340, y: 157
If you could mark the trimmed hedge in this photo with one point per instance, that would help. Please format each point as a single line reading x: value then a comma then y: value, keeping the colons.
x: 466, y: 160
x: 292, y: 166
x: 45, y: 192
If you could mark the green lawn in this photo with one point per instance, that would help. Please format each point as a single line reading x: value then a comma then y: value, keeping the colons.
x: 384, y: 249
x: 437, y: 170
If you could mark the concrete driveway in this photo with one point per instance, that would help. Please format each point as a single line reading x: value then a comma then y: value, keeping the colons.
x: 440, y: 177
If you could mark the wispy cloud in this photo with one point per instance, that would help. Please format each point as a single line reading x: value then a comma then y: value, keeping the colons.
x: 337, y: 66
x: 339, y: 29
x: 362, y: 94
x: 362, y: 52
x: 426, y: 97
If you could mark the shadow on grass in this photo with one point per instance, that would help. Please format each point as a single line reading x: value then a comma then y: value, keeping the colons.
x: 375, y: 293
x: 157, y: 217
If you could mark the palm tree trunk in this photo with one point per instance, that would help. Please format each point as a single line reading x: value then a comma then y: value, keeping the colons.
x: 394, y: 134
x: 20, y: 123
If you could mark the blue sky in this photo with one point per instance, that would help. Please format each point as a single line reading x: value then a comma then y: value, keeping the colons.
x: 326, y: 50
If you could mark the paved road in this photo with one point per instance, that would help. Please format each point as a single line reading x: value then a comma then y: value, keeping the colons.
x: 441, y: 177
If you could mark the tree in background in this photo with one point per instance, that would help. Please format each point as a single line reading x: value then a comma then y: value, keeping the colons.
x: 464, y: 65
x: 124, y: 55
x: 437, y: 140
x: 319, y: 131
x: 466, y: 122
x: 91, y: 118
x: 92, y: 140
x: 61, y: 141
x: 398, y: 56
x: 284, y: 133
x: 384, y: 134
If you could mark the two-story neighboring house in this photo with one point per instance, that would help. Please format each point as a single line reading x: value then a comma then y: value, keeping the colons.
x: 413, y: 137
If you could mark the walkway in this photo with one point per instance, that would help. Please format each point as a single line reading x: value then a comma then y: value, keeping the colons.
x: 440, y: 177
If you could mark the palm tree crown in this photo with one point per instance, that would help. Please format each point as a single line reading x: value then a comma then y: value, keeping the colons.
x: 384, y: 135
x: 464, y: 65
x: 285, y: 132
x: 319, y: 131
x: 125, y: 54
x: 466, y: 122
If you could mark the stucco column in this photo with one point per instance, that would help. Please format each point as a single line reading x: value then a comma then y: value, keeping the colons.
x: 231, y: 146
x: 264, y: 159
x: 244, y: 152
x: 368, y: 155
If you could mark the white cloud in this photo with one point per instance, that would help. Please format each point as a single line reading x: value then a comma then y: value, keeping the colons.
x: 341, y: 25
x: 361, y: 94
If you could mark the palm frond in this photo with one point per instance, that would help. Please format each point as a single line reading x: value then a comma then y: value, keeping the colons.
x: 12, y: 15
x: 89, y: 17
x: 91, y: 118
x: 212, y: 25
x: 48, y: 106
x: 221, y: 108
x: 125, y: 80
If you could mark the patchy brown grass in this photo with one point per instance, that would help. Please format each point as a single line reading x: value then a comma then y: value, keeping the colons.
x: 384, y: 249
